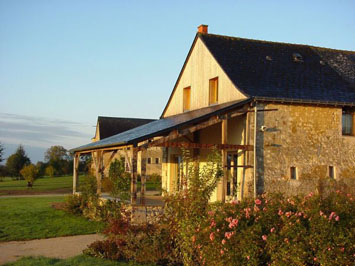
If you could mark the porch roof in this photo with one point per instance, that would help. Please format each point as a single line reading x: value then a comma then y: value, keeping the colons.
x: 161, y: 127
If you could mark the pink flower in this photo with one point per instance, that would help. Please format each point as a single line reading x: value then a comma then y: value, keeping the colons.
x: 332, y: 214
x: 193, y: 238
x: 264, y: 237
x: 337, y: 218
x: 223, y: 241
x: 321, y: 213
x: 213, y: 224
x: 288, y: 214
x: 342, y: 249
x: 315, y: 259
x: 210, y: 213
x: 272, y: 230
x: 212, y: 236
x: 233, y: 223
x: 228, y: 235
x: 280, y: 212
x: 222, y: 251
x: 257, y: 202
x: 229, y: 219
x: 248, y: 257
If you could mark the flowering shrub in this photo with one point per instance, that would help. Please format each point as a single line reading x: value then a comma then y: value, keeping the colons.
x: 274, y: 230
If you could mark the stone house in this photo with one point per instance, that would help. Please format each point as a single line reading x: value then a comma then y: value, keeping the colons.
x: 279, y: 113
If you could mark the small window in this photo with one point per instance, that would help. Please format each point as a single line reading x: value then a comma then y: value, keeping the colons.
x: 332, y: 172
x: 156, y: 160
x: 187, y: 99
x: 149, y: 160
x: 293, y: 173
x: 348, y: 120
x: 213, y: 91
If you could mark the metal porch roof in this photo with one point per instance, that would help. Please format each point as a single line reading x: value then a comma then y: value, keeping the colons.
x: 161, y: 126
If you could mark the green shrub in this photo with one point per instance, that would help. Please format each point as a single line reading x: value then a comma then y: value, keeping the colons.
x: 118, y: 181
x: 73, y: 204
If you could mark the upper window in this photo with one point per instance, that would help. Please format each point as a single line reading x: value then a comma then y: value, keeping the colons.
x: 348, y: 123
x: 293, y: 172
x: 187, y: 99
x: 213, y: 91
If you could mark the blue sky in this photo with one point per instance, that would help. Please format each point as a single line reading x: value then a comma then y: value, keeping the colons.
x: 63, y: 63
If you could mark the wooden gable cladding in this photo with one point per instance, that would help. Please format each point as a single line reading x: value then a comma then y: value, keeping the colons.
x: 200, y: 67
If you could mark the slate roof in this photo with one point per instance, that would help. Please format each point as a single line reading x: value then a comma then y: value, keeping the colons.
x: 110, y: 126
x: 162, y: 126
x: 266, y: 70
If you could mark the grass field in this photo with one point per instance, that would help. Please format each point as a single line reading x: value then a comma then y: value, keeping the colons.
x: 34, y: 218
x: 61, y: 184
x: 78, y: 261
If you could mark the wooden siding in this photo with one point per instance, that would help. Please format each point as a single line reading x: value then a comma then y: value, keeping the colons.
x: 199, y: 69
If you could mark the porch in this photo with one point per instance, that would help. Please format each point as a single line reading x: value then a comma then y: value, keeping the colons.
x: 225, y: 128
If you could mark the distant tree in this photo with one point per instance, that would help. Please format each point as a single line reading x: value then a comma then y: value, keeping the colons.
x: 1, y: 152
x: 50, y: 171
x: 17, y: 161
x: 59, y: 158
x: 30, y: 174
x: 41, y: 166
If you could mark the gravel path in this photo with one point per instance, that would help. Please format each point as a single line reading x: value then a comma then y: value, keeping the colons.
x: 58, y: 247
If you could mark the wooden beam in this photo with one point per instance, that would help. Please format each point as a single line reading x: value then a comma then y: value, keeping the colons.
x: 224, y: 159
x: 174, y: 134
x: 75, y: 172
x: 98, y: 173
x: 143, y: 176
x: 134, y: 176
x: 109, y: 160
x: 189, y: 145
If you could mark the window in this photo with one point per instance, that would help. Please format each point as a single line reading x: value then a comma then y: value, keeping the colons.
x: 213, y: 91
x: 348, y: 123
x: 332, y: 172
x: 187, y: 99
x: 293, y: 173
x: 157, y: 160
x: 149, y: 160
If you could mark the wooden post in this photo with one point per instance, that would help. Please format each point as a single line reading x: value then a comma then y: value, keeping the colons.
x: 224, y: 159
x: 134, y: 176
x: 255, y: 131
x: 143, y: 175
x: 75, y: 172
x: 98, y: 168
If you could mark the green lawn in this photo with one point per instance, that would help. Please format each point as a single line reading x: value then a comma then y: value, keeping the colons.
x: 60, y: 184
x: 77, y: 261
x: 33, y: 218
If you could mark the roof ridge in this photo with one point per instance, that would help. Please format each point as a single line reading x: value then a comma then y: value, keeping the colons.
x: 115, y: 117
x: 275, y: 42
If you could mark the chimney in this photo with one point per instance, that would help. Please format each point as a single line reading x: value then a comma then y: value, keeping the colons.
x: 203, y: 29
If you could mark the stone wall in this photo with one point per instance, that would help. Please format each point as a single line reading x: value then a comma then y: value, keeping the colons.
x: 307, y: 137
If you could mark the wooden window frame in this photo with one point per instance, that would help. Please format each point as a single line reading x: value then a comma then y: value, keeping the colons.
x: 213, y: 100
x: 186, y: 101
x: 352, y: 129
x: 157, y: 160
x: 149, y: 160
x: 332, y: 172
x: 293, y: 173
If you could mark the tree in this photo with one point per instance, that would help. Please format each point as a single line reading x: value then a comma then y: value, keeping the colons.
x: 1, y: 152
x: 118, y: 181
x: 50, y: 171
x: 17, y: 161
x: 30, y: 174
x: 59, y: 159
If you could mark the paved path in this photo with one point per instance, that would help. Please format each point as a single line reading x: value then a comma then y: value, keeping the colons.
x: 58, y: 247
x: 33, y: 196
